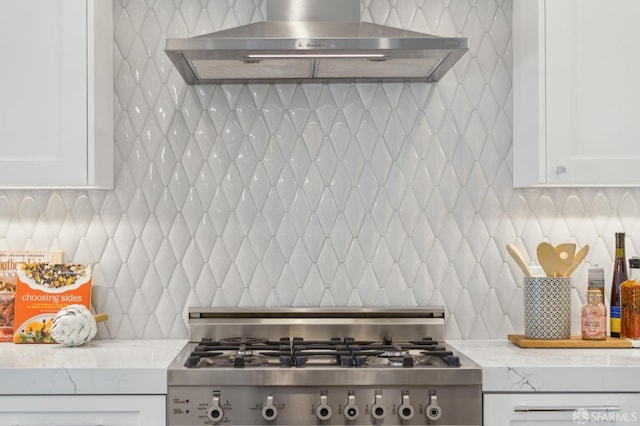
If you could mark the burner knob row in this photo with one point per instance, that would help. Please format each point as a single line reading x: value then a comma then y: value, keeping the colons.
x: 379, y: 410
x: 351, y: 411
x: 405, y: 410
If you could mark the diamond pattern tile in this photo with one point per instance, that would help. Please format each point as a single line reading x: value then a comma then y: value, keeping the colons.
x: 317, y: 194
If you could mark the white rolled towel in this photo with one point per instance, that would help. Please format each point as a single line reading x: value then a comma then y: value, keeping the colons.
x: 74, y: 325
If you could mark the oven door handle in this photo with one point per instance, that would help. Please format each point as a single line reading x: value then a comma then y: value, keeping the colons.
x: 555, y: 409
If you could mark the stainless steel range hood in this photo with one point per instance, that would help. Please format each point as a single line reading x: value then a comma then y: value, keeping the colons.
x: 314, y: 40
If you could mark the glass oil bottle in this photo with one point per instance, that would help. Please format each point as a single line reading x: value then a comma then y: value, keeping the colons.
x: 630, y: 302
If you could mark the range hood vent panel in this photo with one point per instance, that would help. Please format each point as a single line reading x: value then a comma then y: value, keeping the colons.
x: 231, y: 69
x: 327, y: 50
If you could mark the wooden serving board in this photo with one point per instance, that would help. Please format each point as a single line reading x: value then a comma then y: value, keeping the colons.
x: 573, y: 342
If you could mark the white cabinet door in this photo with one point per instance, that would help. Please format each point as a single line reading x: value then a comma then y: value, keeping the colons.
x: 576, y: 92
x: 56, y: 112
x: 559, y: 409
x: 83, y: 410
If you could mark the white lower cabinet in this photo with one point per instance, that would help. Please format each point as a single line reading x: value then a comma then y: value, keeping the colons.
x: 83, y: 410
x: 558, y: 409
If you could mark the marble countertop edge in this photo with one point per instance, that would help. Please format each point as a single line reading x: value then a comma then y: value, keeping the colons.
x: 100, y: 367
x: 509, y: 368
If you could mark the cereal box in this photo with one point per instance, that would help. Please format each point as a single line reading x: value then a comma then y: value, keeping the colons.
x: 9, y: 261
x: 42, y: 289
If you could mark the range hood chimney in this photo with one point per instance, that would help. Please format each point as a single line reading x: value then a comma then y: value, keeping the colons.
x: 314, y: 40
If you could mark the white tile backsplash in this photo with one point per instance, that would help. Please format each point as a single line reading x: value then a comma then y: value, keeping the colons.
x: 315, y: 194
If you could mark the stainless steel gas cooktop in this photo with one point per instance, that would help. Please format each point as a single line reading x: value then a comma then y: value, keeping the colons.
x: 321, y: 366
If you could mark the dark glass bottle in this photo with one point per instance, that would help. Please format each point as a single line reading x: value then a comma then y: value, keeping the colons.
x: 619, y: 276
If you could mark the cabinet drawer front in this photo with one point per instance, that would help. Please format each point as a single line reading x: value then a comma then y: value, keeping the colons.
x: 83, y: 410
x: 561, y: 409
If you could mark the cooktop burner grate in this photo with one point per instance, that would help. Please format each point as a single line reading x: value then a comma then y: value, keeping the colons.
x: 241, y: 352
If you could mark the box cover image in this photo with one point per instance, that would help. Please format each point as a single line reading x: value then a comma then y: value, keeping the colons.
x: 42, y: 289
x: 9, y: 262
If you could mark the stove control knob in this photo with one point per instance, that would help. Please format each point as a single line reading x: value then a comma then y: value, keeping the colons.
x: 215, y: 413
x: 269, y: 410
x: 433, y: 410
x: 351, y: 410
x: 378, y: 410
x: 406, y: 409
x: 324, y: 410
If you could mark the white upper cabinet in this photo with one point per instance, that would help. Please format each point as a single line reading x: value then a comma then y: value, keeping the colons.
x: 56, y: 112
x: 576, y: 93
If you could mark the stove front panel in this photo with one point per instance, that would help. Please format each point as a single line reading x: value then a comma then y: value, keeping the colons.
x: 321, y: 393
x: 325, y: 405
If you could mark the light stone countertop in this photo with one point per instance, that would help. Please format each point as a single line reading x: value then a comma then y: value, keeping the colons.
x: 100, y: 367
x: 509, y: 368
x: 140, y: 367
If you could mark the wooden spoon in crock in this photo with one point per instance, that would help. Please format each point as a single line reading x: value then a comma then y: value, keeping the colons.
x: 547, y: 258
x: 579, y: 257
x: 517, y: 256
x: 565, y: 253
